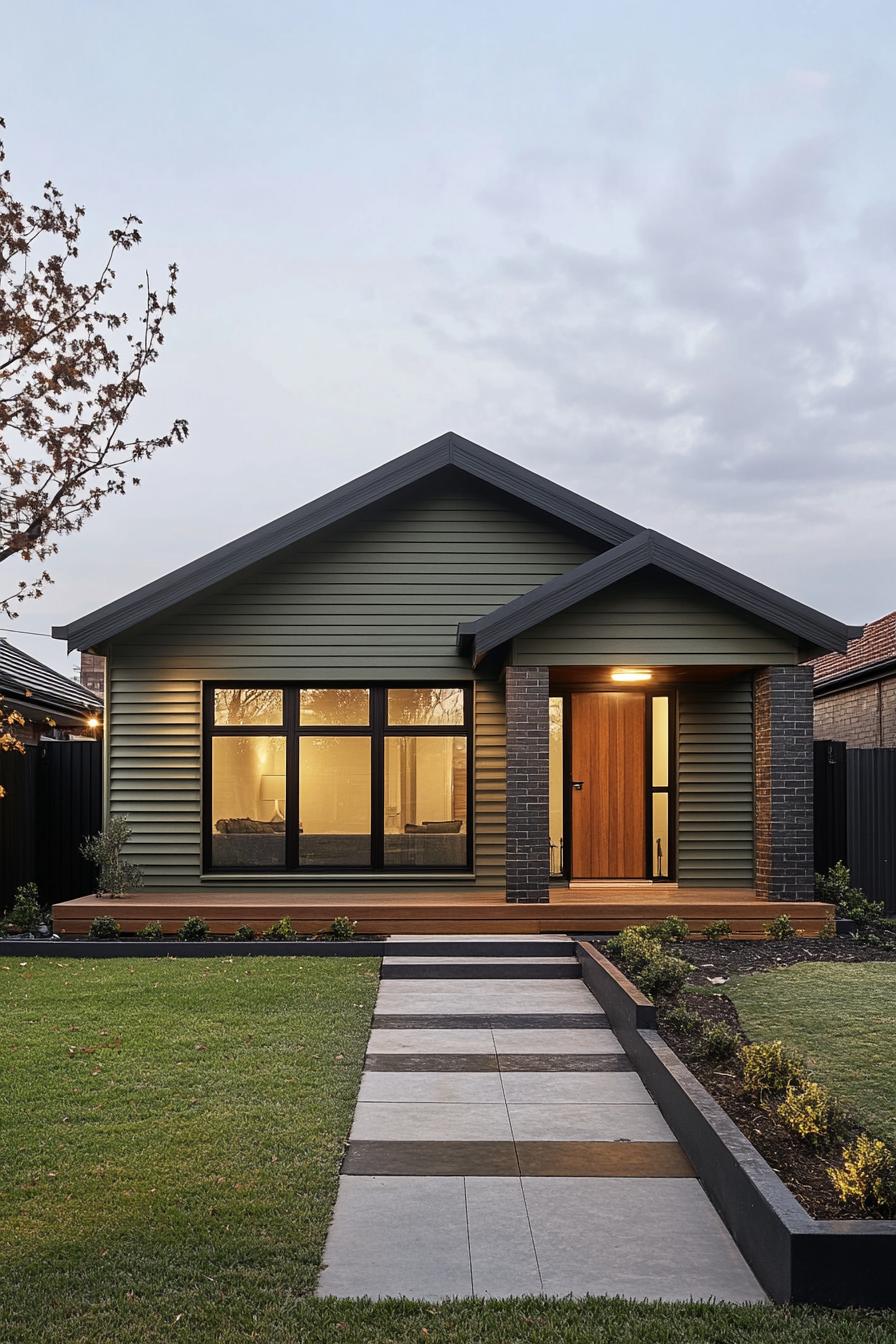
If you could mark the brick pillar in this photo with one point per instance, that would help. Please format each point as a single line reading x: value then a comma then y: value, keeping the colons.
x: 528, y: 840
x: 782, y: 732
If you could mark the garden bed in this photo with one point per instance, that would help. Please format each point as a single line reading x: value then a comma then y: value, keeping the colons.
x: 735, y: 957
x: 797, y: 1257
x: 802, y: 1169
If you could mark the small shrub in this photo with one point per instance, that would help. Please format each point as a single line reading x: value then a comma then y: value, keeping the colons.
x: 828, y: 929
x: 245, y: 934
x: 808, y: 1109
x: 106, y: 849
x: 681, y: 1020
x: 193, y: 930
x: 672, y: 929
x: 770, y: 1067
x: 717, y: 1043
x: 152, y: 930
x: 663, y: 976
x: 342, y: 928
x: 281, y: 931
x: 780, y: 929
x: 867, y: 1176
x: 25, y: 915
x: 836, y: 886
x: 717, y: 929
x: 104, y: 926
x: 633, y: 947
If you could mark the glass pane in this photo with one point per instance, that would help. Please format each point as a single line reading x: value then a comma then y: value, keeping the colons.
x: 334, y: 801
x: 660, y: 844
x: 342, y: 708
x: 555, y: 784
x: 425, y: 818
x: 660, y: 741
x: 248, y: 788
x: 421, y: 705
x: 235, y: 708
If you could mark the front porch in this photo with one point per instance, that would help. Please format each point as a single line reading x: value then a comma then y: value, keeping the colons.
x: 595, y: 909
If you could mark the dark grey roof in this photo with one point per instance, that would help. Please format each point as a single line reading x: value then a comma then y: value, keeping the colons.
x: 813, y: 629
x: 24, y: 679
x: 449, y: 450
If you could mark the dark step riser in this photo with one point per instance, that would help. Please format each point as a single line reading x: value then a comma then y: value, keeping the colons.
x: 498, y: 972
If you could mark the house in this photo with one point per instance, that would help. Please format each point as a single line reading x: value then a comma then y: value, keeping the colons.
x: 455, y: 695
x: 855, y: 690
x: 51, y: 705
x: 93, y: 673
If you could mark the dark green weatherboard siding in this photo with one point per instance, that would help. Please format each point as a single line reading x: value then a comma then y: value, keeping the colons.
x: 715, y: 784
x: 379, y: 598
x: 652, y: 619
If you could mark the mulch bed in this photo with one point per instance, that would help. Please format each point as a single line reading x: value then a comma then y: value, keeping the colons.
x: 734, y: 957
x: 801, y: 1168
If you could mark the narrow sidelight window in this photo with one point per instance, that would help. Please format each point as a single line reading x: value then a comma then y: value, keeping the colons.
x: 660, y: 774
x: 556, y: 789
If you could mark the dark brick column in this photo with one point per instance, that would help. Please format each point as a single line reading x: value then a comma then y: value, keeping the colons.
x: 782, y: 732
x: 528, y: 841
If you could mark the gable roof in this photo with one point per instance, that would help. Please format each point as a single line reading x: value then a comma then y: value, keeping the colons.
x: 24, y: 679
x: 449, y: 450
x: 646, y: 548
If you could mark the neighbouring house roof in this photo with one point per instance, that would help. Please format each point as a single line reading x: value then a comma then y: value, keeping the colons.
x: 630, y: 548
x: 645, y: 549
x: 30, y: 683
x: 871, y: 655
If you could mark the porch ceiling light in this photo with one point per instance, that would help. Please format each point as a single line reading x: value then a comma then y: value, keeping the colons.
x: 631, y: 674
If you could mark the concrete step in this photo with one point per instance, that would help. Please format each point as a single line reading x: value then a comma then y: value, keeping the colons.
x: 493, y: 947
x: 480, y: 968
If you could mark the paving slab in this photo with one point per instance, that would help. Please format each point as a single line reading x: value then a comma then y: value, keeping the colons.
x: 432, y: 1088
x: 646, y: 1239
x: 591, y: 1122
x: 385, y: 1241
x: 552, y: 1089
x: 388, y: 1042
x: 401, y: 1121
x: 502, y: 1253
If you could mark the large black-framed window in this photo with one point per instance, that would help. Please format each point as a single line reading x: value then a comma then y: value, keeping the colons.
x: 337, y: 777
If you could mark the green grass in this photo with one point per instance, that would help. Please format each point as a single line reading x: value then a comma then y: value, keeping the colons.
x: 170, y: 1137
x: 842, y: 1017
x: 170, y: 1133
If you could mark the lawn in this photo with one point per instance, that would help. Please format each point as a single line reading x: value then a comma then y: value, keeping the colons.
x: 171, y: 1135
x: 843, y: 1018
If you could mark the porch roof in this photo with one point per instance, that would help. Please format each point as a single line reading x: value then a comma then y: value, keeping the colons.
x: 815, y: 631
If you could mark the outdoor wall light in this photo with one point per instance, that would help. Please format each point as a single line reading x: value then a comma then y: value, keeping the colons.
x: 93, y: 723
x: 630, y: 674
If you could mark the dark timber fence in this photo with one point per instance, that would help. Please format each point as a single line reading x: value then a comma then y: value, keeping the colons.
x: 855, y: 815
x: 53, y: 799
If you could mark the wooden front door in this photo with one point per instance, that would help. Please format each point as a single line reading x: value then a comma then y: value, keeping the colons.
x: 609, y: 785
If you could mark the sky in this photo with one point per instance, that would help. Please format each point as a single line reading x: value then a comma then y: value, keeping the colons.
x: 646, y: 248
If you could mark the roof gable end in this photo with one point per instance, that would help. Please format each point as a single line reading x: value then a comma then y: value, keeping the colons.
x: 449, y: 450
x: 645, y: 548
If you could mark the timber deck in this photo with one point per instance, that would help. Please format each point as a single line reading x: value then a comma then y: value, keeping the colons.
x: 603, y: 909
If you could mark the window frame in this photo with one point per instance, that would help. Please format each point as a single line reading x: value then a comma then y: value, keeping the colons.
x: 376, y: 730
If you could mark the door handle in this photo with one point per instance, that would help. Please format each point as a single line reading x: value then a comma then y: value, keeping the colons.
x: 578, y: 785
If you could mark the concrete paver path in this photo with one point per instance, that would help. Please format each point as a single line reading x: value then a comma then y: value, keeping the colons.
x: 509, y: 1159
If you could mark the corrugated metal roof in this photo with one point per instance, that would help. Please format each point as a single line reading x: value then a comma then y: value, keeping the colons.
x: 23, y: 677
